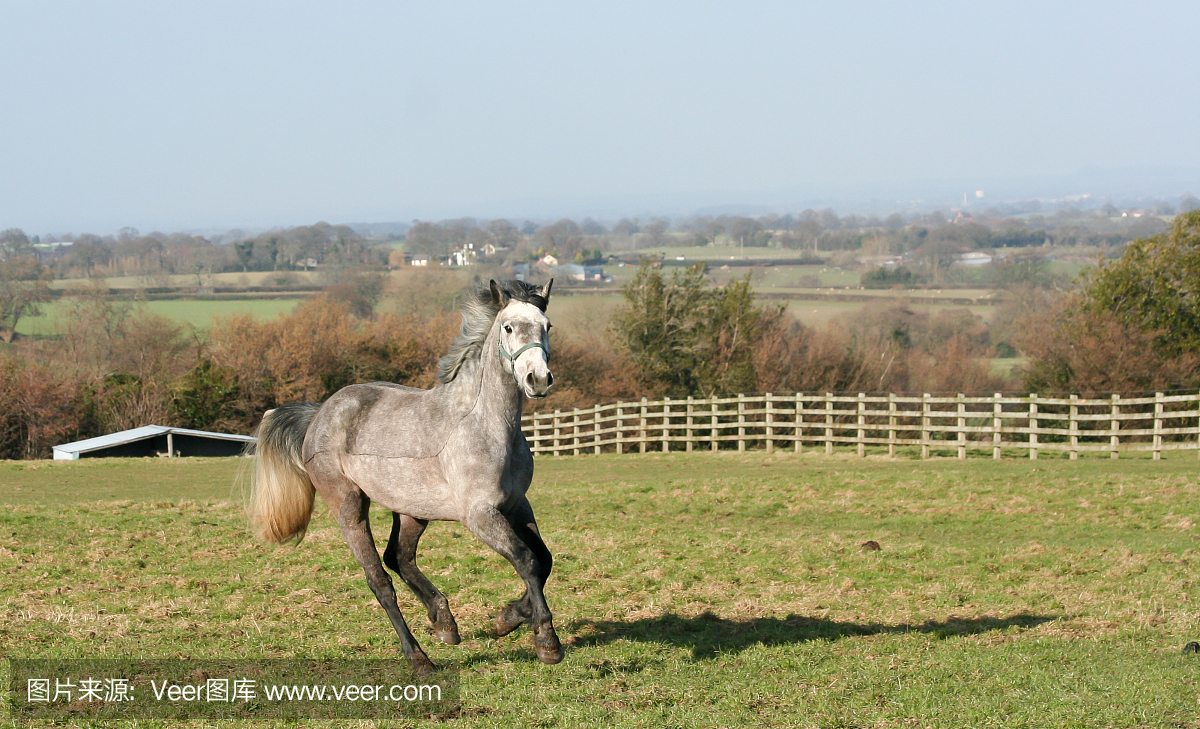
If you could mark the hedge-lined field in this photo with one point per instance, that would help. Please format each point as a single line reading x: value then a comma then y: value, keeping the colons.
x: 690, y: 589
x: 197, y: 313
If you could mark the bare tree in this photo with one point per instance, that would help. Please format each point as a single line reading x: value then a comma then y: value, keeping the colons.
x: 13, y: 242
x: 24, y: 285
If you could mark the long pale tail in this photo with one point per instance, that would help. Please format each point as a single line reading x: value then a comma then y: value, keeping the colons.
x: 280, y: 501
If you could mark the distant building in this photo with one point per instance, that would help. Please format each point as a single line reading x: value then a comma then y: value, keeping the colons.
x: 550, y: 260
x: 570, y: 270
x: 154, y: 440
x: 974, y: 258
x: 577, y: 272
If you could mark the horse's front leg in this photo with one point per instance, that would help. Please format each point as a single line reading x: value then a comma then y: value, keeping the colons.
x: 510, y: 536
x: 520, y: 610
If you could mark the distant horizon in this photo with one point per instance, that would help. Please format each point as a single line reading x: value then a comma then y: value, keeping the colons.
x: 1066, y: 190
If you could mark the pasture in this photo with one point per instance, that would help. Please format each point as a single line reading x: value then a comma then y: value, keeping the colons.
x: 823, y: 311
x: 586, y: 311
x: 198, y: 313
x: 185, y: 280
x: 582, y: 312
x: 763, y: 278
x: 690, y: 590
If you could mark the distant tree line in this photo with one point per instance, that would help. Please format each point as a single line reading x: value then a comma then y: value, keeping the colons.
x: 155, y: 255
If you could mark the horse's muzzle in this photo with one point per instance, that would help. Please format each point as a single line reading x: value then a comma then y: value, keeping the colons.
x: 538, y: 387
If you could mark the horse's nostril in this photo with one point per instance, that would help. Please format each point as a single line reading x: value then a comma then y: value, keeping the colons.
x: 549, y: 379
x: 529, y: 380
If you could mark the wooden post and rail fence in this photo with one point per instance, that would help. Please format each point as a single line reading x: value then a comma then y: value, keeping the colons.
x: 959, y: 425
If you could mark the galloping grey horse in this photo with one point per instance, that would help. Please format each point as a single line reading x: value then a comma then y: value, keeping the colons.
x: 452, y: 453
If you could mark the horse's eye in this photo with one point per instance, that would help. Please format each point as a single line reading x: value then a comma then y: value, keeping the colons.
x: 549, y: 326
x: 508, y: 328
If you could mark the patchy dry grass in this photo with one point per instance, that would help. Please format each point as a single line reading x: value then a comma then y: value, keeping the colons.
x: 690, y: 589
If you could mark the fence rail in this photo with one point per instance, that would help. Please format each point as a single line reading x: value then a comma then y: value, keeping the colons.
x: 798, y: 421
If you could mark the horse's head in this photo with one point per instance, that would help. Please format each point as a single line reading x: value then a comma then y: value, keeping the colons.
x: 524, y: 341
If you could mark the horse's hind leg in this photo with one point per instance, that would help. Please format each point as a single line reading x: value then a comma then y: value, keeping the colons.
x: 401, y: 557
x: 356, y: 528
x: 496, y: 531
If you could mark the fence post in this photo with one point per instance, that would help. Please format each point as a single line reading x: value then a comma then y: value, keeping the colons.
x: 666, y: 435
x: 1114, y: 441
x: 962, y: 424
x: 715, y: 443
x: 596, y: 429
x: 799, y: 422
x: 828, y: 423
x: 997, y: 426
x: 690, y: 421
x: 891, y: 424
x: 1158, y: 413
x: 925, y: 425
x: 741, y: 422
x: 770, y: 422
x: 862, y: 421
x: 575, y: 429
x: 557, y: 430
x: 1033, y: 426
x: 1074, y: 428
x: 620, y: 439
x: 642, y: 428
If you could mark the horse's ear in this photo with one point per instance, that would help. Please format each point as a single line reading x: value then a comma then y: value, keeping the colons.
x: 545, y: 292
x: 499, y: 297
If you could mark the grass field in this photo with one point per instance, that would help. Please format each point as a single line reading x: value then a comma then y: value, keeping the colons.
x: 582, y: 312
x: 765, y: 279
x: 251, y: 278
x: 691, y: 590
x: 716, y: 253
x: 587, y: 312
x: 592, y: 312
x: 193, y: 312
x: 814, y: 313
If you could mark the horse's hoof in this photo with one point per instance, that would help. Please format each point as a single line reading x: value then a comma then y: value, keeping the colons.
x: 549, y: 655
x: 545, y: 642
x: 507, y: 621
x: 422, y: 666
x: 449, y: 637
x: 1192, y: 647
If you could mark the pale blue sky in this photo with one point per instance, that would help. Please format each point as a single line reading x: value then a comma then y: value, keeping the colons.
x: 166, y: 115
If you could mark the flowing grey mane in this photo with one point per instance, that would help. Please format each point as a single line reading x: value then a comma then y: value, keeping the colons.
x: 478, y: 313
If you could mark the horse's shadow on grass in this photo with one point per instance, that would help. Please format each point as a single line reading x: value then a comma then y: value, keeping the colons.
x: 708, y: 635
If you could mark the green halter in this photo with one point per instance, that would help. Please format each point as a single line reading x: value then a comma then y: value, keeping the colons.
x: 512, y: 358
